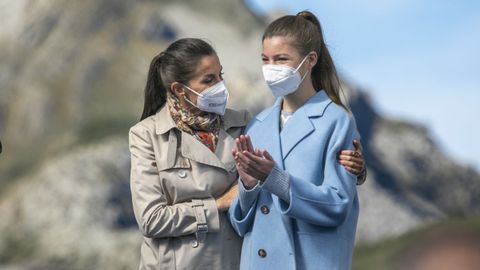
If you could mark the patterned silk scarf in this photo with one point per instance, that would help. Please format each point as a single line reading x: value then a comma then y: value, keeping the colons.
x: 204, y: 128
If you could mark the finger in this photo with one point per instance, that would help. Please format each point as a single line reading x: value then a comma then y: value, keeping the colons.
x: 357, y: 160
x: 243, y: 141
x: 357, y: 145
x: 352, y: 170
x: 344, y: 157
x: 245, y: 160
x: 248, y: 170
x: 352, y: 165
x: 267, y: 155
x: 255, y: 157
x: 249, y: 144
x: 259, y: 164
x: 345, y: 152
x: 350, y: 157
x: 235, y: 154
x: 238, y: 145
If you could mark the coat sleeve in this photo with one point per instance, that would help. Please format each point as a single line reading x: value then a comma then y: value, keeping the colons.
x: 155, y: 217
x: 327, y: 204
x: 242, y: 209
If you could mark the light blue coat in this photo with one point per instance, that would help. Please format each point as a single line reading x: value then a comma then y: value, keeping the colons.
x: 305, y: 214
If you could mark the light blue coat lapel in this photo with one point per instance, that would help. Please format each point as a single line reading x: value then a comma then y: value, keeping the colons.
x: 300, y: 125
x: 268, y: 132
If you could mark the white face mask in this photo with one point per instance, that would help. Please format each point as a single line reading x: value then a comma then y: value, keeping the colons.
x: 213, y: 99
x: 283, y: 80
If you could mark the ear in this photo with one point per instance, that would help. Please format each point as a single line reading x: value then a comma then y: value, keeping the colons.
x: 177, y: 89
x: 312, y: 59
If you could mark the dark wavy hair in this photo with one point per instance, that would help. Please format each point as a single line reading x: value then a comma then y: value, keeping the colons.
x: 176, y: 64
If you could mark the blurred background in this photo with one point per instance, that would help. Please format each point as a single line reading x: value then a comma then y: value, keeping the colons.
x: 71, y: 84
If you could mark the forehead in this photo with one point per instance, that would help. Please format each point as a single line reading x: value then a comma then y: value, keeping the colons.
x: 209, y: 64
x: 279, y: 45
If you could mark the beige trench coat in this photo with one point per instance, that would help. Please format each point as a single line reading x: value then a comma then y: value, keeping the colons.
x: 174, y: 180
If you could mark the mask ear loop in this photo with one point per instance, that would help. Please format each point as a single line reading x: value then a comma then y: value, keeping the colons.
x: 304, y: 76
x: 188, y: 100
x: 195, y: 92
x: 301, y: 63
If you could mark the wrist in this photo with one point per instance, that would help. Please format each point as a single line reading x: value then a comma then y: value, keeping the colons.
x: 249, y: 186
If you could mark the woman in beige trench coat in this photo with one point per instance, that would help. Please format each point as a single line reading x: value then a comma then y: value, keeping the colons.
x: 183, y: 175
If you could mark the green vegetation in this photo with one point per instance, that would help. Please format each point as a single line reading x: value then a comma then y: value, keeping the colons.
x: 380, y: 256
x: 104, y: 127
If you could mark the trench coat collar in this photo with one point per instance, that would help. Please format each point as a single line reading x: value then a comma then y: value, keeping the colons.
x: 193, y: 149
x: 164, y: 121
x: 298, y: 127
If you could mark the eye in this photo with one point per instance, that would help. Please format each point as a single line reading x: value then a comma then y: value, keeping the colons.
x: 208, y: 79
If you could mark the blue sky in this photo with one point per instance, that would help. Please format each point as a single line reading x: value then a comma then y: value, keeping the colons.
x: 419, y: 60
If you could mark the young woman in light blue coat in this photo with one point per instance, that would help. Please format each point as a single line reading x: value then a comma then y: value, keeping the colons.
x: 297, y: 206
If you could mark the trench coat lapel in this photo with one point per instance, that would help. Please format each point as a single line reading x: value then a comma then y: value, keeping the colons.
x: 164, y: 124
x: 194, y: 150
x: 222, y: 158
x: 300, y: 126
x: 224, y: 150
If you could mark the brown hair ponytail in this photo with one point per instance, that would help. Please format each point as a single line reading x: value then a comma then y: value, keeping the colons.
x: 176, y: 64
x: 155, y: 92
x: 307, y: 33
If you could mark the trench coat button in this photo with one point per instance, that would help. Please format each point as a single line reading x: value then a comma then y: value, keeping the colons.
x: 182, y: 173
x: 262, y: 253
x: 194, y: 243
x: 264, y: 209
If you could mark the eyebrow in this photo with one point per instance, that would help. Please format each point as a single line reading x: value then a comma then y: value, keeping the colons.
x: 278, y: 55
x: 212, y: 74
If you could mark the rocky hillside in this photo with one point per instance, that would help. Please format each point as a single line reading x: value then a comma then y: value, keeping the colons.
x: 71, y: 80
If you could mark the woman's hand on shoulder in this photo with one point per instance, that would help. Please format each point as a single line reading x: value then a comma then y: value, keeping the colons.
x: 354, y: 161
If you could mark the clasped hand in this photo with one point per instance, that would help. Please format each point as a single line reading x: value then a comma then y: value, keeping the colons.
x: 253, y: 165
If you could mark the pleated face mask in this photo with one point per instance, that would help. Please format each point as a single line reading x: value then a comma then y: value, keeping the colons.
x: 283, y: 80
x: 213, y: 99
